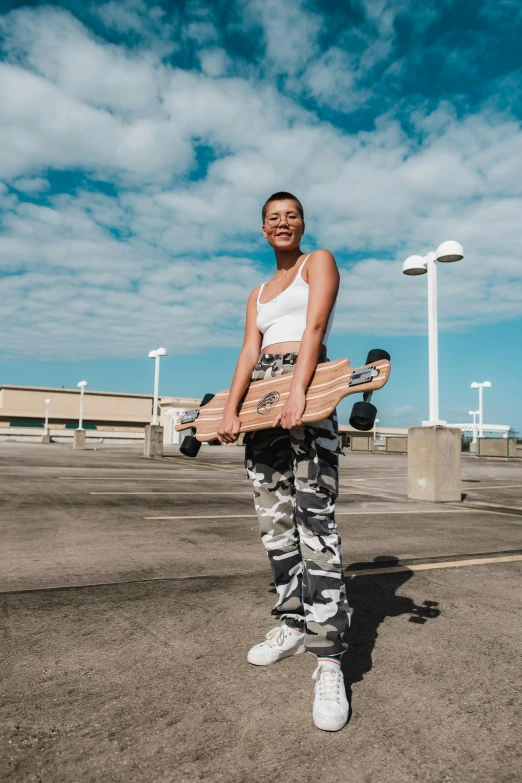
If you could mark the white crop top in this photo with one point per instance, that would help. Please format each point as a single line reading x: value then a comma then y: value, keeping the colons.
x: 283, y: 319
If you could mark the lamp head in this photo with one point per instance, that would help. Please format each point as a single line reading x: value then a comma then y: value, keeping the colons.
x: 487, y: 384
x: 82, y: 384
x: 414, y: 265
x: 161, y: 352
x: 449, y: 251
x: 152, y: 354
x: 474, y: 385
x: 48, y: 402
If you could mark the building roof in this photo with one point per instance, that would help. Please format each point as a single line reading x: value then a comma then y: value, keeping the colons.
x: 58, y: 389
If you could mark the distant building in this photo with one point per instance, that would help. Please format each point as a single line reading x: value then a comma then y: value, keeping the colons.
x: 114, y: 416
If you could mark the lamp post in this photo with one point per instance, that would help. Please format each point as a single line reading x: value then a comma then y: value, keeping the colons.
x: 159, y: 352
x: 480, y: 387
x: 81, y: 386
x: 446, y: 252
x: 46, y: 425
x: 474, y: 414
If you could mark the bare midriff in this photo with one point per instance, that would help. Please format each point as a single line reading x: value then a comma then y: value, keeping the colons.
x: 290, y: 347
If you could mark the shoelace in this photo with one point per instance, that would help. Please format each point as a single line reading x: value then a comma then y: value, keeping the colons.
x: 328, y: 682
x: 276, y: 636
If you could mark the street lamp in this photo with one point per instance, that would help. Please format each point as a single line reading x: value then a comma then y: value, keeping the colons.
x: 46, y: 425
x: 156, y: 355
x: 474, y: 414
x: 375, y: 432
x: 480, y: 387
x: 447, y: 252
x: 81, y: 386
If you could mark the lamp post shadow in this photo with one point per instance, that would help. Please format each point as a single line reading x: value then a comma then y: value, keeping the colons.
x: 373, y: 598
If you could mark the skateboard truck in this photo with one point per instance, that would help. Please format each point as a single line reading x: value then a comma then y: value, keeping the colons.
x: 364, y: 413
x: 191, y: 445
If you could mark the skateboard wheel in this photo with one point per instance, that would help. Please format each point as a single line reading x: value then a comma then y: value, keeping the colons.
x: 363, y: 416
x: 206, y: 399
x: 375, y: 354
x: 190, y: 446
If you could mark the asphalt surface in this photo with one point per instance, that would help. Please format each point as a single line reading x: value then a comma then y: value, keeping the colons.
x: 126, y: 618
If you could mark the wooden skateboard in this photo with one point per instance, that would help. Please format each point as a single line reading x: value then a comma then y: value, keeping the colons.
x: 263, y: 400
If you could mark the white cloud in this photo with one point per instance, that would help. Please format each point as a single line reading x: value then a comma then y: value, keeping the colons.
x: 214, y: 61
x: 289, y: 29
x: 105, y: 276
x: 31, y: 185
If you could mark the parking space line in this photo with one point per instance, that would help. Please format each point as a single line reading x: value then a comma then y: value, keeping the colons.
x: 497, y: 486
x: 432, y: 566
x: 479, y: 510
x: 215, y: 467
x: 337, y: 514
x: 122, y: 478
x: 140, y: 478
x: 369, y: 490
x: 192, y: 494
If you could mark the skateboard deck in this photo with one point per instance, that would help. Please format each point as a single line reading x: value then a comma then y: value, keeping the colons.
x: 263, y: 400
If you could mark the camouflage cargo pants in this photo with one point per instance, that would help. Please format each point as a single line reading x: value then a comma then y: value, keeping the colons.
x: 295, y: 479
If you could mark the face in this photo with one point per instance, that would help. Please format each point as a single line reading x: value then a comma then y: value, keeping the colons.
x: 283, y: 226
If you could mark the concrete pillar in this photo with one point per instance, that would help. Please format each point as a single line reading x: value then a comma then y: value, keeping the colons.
x: 79, y: 439
x: 153, y: 440
x: 45, y: 439
x: 434, y: 464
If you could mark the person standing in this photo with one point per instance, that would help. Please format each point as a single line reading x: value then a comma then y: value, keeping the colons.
x: 294, y: 466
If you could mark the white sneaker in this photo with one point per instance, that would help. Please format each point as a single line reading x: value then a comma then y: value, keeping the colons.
x: 331, y: 708
x: 281, y: 642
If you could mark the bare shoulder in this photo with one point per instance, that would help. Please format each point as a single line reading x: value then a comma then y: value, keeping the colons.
x: 320, y: 261
x: 252, y: 297
x: 254, y: 294
x: 321, y: 256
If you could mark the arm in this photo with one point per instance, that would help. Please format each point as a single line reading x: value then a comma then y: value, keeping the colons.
x: 323, y: 281
x: 228, y: 429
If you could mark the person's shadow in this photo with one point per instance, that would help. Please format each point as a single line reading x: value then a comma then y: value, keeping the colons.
x: 372, y: 598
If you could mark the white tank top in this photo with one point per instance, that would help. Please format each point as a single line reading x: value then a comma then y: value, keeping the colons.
x: 283, y: 319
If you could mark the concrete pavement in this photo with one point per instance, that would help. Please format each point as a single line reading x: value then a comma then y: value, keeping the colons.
x: 126, y: 618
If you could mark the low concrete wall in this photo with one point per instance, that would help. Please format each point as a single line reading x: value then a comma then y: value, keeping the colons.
x: 34, y: 435
x: 497, y: 447
x: 361, y: 443
x: 398, y: 445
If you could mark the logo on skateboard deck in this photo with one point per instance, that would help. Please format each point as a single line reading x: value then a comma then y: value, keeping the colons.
x: 268, y: 402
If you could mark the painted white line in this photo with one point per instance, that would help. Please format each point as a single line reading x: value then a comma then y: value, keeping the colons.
x: 151, y: 479
x: 434, y: 566
x: 191, y: 494
x: 369, y: 490
x: 361, y: 513
x: 492, y: 511
x: 124, y: 478
x: 497, y: 486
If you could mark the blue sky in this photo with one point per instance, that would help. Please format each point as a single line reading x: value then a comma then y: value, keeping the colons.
x: 139, y: 140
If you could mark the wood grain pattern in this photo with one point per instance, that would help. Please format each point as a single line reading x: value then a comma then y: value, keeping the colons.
x: 264, y: 399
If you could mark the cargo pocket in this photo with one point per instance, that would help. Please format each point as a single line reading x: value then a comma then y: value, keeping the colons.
x: 326, y: 456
